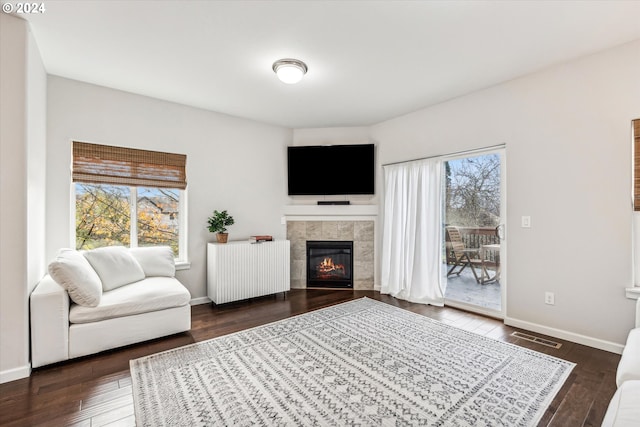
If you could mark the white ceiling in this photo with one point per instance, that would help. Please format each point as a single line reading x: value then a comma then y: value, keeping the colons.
x: 368, y: 60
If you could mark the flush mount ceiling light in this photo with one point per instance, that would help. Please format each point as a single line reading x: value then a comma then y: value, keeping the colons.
x: 289, y: 70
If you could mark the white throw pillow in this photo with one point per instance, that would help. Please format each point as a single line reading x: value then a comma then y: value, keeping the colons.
x: 74, y: 273
x: 115, y: 266
x: 156, y: 261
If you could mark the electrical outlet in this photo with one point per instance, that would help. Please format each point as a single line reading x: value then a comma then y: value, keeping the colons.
x: 549, y: 298
x: 283, y: 220
x: 526, y: 222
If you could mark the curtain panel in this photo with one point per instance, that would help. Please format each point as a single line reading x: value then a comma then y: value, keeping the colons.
x: 412, y: 232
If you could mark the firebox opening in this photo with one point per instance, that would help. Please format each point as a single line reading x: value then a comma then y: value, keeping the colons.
x: 329, y: 264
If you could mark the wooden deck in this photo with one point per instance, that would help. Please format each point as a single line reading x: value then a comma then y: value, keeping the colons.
x: 96, y: 390
x: 464, y: 288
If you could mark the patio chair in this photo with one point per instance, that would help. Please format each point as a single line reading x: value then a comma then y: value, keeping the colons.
x: 461, y: 257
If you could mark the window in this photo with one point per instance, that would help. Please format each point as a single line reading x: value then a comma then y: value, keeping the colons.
x: 129, y: 197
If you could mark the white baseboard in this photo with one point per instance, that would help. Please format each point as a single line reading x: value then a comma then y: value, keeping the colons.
x: 15, y: 374
x: 566, y: 335
x: 201, y: 300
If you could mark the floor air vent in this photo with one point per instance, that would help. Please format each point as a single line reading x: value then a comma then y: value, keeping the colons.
x: 535, y: 339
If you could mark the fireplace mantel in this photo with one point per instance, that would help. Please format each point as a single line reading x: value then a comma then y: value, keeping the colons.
x: 329, y: 212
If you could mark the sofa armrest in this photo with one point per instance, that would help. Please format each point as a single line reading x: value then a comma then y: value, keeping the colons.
x: 49, y: 315
x: 629, y: 365
x: 623, y: 410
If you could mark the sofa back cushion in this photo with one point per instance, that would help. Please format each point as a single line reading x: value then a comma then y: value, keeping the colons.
x: 73, y: 272
x: 156, y: 261
x: 115, y: 266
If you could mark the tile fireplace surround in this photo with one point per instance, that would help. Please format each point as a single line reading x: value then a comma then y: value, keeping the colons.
x: 360, y: 232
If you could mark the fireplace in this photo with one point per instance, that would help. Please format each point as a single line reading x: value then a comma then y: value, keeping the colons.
x: 329, y: 264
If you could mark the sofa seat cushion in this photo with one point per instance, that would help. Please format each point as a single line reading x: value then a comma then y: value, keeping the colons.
x: 624, y: 408
x: 150, y: 294
x: 629, y: 366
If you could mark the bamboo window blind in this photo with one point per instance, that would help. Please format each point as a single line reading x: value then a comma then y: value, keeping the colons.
x: 636, y: 165
x: 104, y: 164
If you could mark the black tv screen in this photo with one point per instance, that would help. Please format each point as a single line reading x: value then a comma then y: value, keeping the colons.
x: 331, y: 169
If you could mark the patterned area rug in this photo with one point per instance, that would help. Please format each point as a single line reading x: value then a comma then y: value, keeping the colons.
x: 358, y: 363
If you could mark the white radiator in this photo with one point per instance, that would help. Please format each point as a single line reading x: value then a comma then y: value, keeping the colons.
x: 241, y: 270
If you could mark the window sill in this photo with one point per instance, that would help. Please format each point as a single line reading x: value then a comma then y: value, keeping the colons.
x: 633, y: 293
x: 183, y: 265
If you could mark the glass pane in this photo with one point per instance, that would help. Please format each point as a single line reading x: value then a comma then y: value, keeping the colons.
x: 472, y: 244
x: 473, y: 191
x: 158, y: 217
x: 102, y: 215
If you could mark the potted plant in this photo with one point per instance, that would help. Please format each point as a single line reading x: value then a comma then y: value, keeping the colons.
x: 218, y: 223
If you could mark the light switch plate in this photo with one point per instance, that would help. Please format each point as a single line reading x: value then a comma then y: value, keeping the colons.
x: 526, y: 222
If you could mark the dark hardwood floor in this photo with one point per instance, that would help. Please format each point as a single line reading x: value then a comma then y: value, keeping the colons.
x: 96, y: 390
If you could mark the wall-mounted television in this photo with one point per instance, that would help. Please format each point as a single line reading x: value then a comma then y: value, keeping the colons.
x: 318, y: 170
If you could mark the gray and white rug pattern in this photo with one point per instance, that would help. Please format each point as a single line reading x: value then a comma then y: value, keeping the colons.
x: 358, y: 363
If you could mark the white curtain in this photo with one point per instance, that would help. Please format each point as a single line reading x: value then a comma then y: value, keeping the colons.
x: 412, y: 229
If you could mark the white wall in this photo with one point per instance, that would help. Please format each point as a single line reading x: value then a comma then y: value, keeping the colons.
x: 567, y: 132
x: 22, y: 189
x: 36, y: 164
x: 232, y: 163
x: 334, y: 136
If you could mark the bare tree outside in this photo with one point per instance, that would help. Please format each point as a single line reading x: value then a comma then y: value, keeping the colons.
x: 473, y: 191
x: 103, y: 216
x: 158, y: 217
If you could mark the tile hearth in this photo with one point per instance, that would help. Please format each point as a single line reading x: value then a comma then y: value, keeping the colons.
x: 360, y: 232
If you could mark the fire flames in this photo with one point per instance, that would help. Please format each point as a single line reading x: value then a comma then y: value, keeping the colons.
x: 328, y: 267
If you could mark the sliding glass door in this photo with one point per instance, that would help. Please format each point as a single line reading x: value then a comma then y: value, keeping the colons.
x: 474, y: 231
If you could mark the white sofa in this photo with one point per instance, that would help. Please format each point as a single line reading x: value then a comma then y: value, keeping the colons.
x: 105, y: 298
x: 624, y: 408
